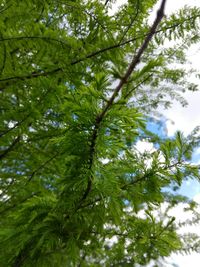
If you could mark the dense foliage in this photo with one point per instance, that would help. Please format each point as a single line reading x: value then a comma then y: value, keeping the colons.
x: 78, y: 87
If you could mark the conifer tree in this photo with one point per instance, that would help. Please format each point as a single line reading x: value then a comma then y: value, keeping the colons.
x: 78, y: 87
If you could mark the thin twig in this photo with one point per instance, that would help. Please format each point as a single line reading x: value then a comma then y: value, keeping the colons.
x: 42, y: 166
x: 44, y: 38
x: 5, y: 152
x: 15, y: 126
x: 131, y: 23
x: 143, y: 177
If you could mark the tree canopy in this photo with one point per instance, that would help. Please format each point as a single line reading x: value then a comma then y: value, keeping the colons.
x: 78, y: 87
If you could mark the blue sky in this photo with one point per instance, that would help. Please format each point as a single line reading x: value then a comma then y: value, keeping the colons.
x: 191, y: 187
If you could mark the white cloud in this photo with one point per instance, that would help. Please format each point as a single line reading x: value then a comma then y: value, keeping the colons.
x: 197, y: 198
x: 185, y: 260
x: 192, y: 259
x: 144, y: 146
x: 111, y: 241
x: 184, y: 119
x: 172, y: 5
x: 104, y: 160
x: 116, y: 6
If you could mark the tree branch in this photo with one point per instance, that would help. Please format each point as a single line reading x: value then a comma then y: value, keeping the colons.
x: 41, y: 167
x: 6, y: 8
x: 16, y: 204
x: 135, y: 59
x: 143, y: 177
x: 91, y: 159
x: 5, y: 152
x: 106, y: 2
x: 123, y: 81
x: 138, y: 85
x: 91, y: 55
x: 30, y: 76
x: 131, y: 23
x: 15, y: 126
x: 46, y: 38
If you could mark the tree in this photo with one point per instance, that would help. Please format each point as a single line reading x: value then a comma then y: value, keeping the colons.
x: 78, y: 88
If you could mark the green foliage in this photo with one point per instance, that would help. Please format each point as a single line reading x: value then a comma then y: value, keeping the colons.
x: 74, y: 189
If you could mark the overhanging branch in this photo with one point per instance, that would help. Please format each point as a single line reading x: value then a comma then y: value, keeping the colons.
x: 10, y: 80
x: 123, y: 81
x: 135, y: 60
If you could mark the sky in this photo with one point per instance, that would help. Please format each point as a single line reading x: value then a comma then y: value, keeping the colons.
x: 183, y: 119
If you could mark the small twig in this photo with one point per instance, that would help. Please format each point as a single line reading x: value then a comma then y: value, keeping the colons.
x: 44, y: 38
x: 138, y: 85
x: 5, y: 152
x: 91, y: 159
x: 131, y: 23
x: 143, y: 177
x: 4, y: 57
x: 15, y: 205
x: 15, y: 126
x: 106, y: 2
x: 42, y: 166
x: 6, y: 8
